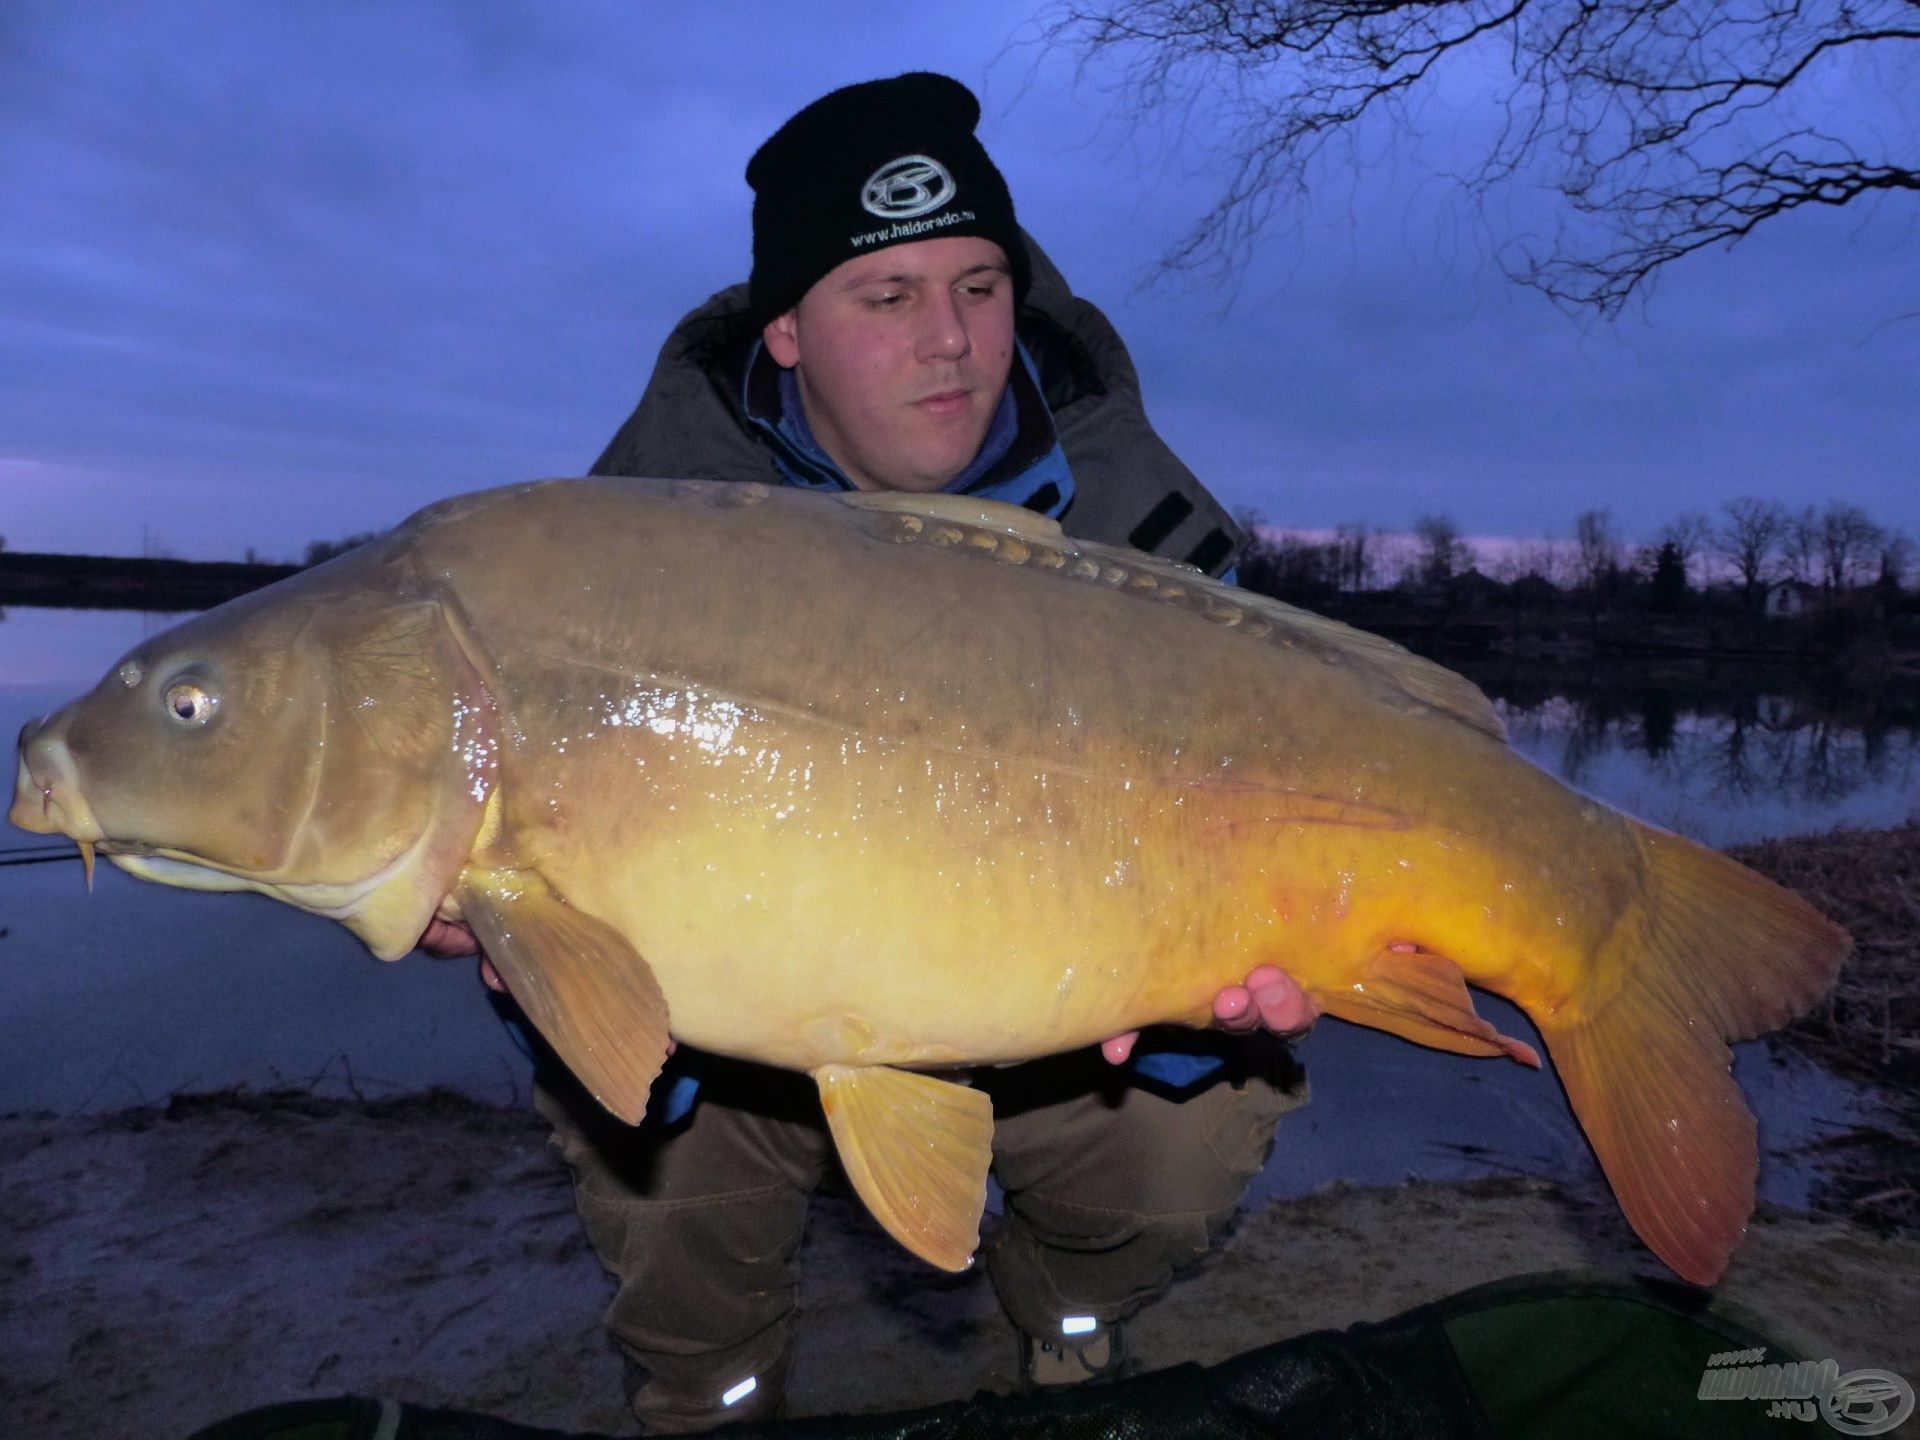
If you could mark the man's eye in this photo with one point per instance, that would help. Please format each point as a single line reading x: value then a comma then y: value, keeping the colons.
x: 886, y: 301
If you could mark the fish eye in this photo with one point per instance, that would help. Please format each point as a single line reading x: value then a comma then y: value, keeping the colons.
x: 188, y: 704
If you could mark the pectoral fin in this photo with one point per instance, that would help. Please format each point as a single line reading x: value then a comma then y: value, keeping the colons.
x: 917, y: 1150
x: 579, y: 980
x: 1423, y: 997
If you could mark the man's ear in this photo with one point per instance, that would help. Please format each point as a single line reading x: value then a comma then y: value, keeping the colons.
x: 782, y: 339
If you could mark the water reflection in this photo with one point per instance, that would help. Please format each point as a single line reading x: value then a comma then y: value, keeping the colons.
x: 1720, y: 752
x: 71, y: 647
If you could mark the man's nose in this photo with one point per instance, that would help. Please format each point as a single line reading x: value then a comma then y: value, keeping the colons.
x: 943, y: 333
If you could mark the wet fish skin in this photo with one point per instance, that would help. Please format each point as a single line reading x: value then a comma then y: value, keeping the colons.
x: 847, y: 784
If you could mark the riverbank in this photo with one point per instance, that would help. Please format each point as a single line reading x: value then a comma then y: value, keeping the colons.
x: 168, y: 1267
x: 125, y: 582
x: 1868, y: 1026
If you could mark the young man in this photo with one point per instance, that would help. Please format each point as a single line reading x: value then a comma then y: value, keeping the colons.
x: 899, y: 333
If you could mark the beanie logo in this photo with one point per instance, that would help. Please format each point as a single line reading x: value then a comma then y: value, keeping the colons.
x: 904, y: 188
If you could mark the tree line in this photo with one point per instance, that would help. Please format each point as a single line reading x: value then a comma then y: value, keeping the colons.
x: 1745, y: 547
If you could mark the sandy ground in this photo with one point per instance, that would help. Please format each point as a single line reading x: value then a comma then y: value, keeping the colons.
x: 160, y: 1269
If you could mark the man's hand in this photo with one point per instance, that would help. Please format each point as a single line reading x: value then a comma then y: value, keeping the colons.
x: 450, y: 940
x: 1270, y: 1000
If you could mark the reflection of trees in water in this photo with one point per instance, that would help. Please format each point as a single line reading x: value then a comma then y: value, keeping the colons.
x: 1658, y: 718
x: 1822, y: 762
x: 1723, y: 743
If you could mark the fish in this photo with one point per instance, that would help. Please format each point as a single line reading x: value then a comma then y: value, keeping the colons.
x: 881, y: 787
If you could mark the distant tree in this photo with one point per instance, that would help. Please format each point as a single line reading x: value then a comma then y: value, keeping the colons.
x: 1673, y: 125
x: 1440, y: 554
x: 1548, y: 559
x: 319, y: 550
x: 1849, y: 545
x: 1667, y: 583
x: 1691, y: 536
x: 1896, y: 558
x: 1394, y: 557
x: 1598, y: 550
x: 1354, y: 559
x: 1747, y: 537
x: 1287, y: 567
x: 1800, y: 545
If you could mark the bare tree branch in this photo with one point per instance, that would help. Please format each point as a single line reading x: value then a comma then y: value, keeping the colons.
x: 1669, y: 125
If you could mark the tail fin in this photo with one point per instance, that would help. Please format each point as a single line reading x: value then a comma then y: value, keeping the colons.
x: 1710, y: 952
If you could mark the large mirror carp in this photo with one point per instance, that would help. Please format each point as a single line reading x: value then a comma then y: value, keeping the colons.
x: 875, y: 786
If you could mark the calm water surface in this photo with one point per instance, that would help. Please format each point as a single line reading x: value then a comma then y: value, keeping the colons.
x: 137, y: 991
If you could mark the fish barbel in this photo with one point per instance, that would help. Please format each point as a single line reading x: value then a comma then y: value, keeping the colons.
x: 873, y: 785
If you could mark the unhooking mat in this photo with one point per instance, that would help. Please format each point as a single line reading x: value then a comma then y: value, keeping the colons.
x: 1543, y: 1357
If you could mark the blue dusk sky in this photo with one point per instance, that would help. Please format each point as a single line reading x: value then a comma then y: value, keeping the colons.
x: 277, y: 272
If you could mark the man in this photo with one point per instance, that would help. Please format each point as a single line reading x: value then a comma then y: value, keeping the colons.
x: 898, y: 332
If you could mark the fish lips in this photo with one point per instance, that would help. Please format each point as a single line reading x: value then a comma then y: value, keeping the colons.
x: 46, y: 789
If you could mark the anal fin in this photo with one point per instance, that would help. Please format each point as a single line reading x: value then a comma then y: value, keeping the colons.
x: 917, y: 1150
x: 588, y: 990
x: 1423, y: 997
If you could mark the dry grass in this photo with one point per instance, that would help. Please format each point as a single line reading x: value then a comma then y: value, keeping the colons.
x: 1868, y: 1028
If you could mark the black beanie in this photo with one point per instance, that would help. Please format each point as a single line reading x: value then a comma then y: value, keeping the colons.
x: 873, y: 165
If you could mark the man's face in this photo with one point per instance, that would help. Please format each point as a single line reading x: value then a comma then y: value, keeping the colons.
x: 901, y: 357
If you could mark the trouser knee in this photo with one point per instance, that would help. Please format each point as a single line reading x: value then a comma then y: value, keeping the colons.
x: 700, y: 1226
x: 1108, y: 1198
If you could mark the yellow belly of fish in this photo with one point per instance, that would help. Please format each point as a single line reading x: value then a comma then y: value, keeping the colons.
x: 879, y: 912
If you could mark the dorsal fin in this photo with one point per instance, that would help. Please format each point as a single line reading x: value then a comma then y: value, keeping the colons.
x: 972, y: 523
x: 1420, y: 679
x: 1429, y: 683
x: 994, y: 515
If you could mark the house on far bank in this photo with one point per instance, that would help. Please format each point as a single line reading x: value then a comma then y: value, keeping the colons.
x: 1474, y: 592
x: 1533, y: 591
x: 1786, y: 598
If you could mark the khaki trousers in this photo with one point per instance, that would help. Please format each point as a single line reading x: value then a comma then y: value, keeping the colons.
x: 1111, y: 1185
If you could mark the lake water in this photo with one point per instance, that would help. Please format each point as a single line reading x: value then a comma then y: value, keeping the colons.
x: 138, y: 991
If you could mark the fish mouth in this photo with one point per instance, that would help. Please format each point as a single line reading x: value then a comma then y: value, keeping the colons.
x: 46, y: 792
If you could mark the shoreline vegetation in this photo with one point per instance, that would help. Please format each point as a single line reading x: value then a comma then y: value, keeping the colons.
x: 126, y: 582
x: 1867, y: 1029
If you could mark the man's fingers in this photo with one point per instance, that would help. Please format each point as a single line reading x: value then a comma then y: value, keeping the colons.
x: 1233, y: 1009
x: 490, y: 977
x: 1284, y: 1007
x: 1118, y: 1049
x: 1270, y: 1000
x: 447, y: 940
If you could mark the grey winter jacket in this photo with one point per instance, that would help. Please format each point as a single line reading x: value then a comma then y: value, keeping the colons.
x: 1129, y: 488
